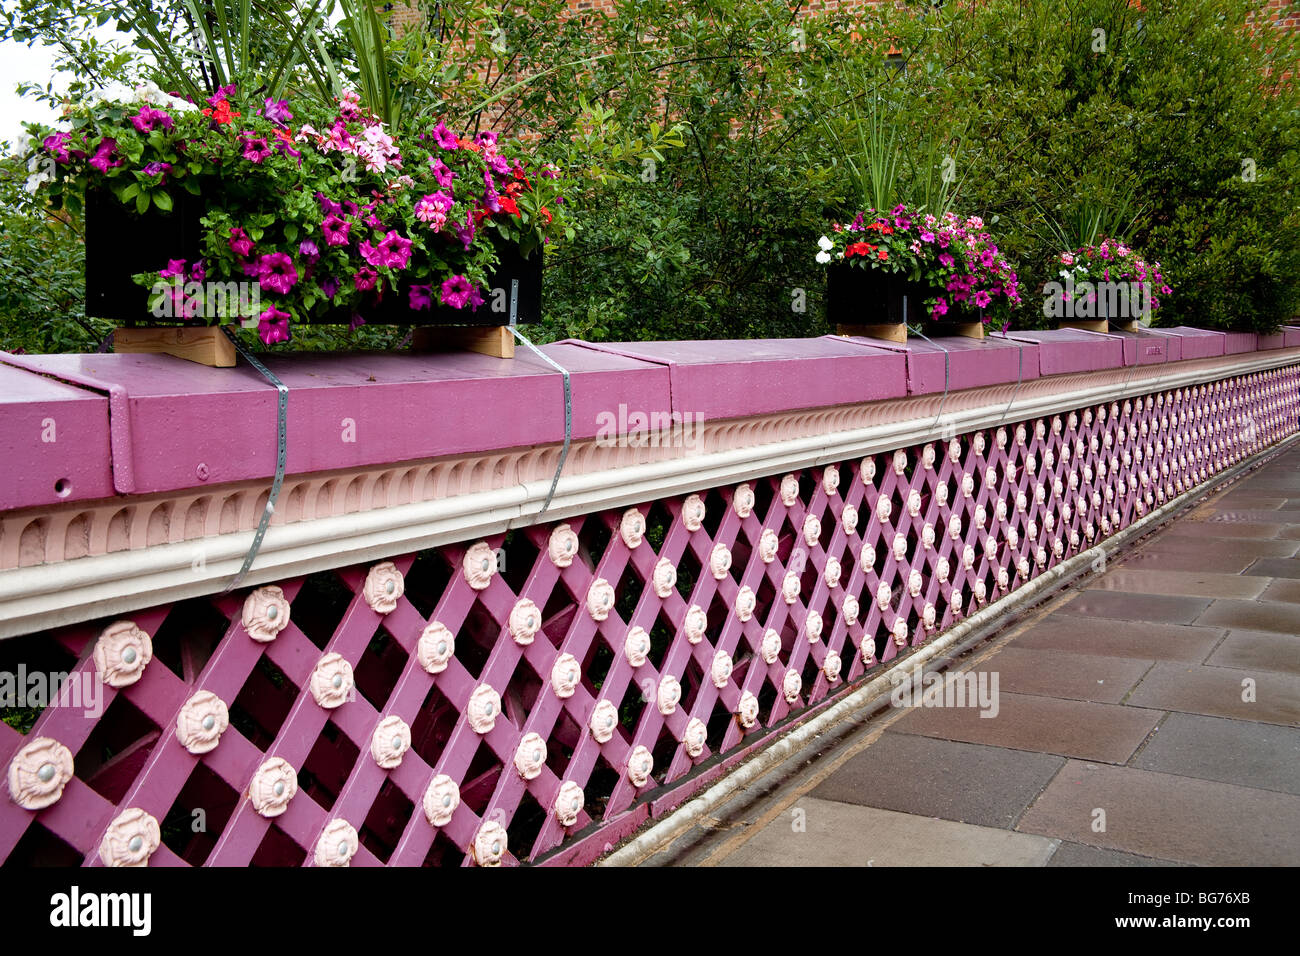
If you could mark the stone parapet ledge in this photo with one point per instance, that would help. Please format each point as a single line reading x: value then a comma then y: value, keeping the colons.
x: 141, y: 478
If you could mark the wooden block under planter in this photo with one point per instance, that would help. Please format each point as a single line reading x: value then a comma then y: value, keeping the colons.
x: 1088, y: 325
x: 967, y: 330
x: 497, y: 341
x: 207, y: 345
x: 887, y: 331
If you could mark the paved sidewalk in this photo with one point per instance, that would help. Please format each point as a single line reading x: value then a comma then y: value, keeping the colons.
x: 1150, y: 719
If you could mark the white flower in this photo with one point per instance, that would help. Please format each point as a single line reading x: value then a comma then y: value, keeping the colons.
x: 825, y: 244
x: 823, y: 257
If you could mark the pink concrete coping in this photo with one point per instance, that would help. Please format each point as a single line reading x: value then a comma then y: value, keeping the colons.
x: 1062, y: 351
x: 53, y: 441
x: 970, y: 363
x: 1237, y: 342
x: 1197, y: 343
x: 738, y: 378
x: 1286, y: 337
x: 176, y: 424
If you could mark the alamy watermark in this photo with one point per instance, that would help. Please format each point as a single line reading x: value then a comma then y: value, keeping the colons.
x: 1097, y: 300
x: 204, y: 300
x: 636, y: 428
x: 24, y: 688
x: 952, y: 689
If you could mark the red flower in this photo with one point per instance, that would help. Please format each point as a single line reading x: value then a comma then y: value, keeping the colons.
x: 508, y: 205
x: 222, y: 114
x: 859, y: 249
x: 545, y: 214
x: 883, y: 255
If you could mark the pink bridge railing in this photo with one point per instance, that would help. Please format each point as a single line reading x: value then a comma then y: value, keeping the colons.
x: 420, y: 671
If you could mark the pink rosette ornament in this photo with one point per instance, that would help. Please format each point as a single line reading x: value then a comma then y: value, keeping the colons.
x: 791, y: 685
x: 695, y: 737
x: 632, y: 528
x: 767, y: 545
x: 693, y: 513
x: 121, y: 654
x: 639, y: 765
x: 742, y: 501
x: 384, y: 585
x: 483, y: 708
x: 201, y: 722
x: 265, y: 614
x: 479, y: 565
x: 831, y: 665
x: 565, y: 675
x: 600, y: 599
x: 563, y: 546
x: 273, y: 785
x: 636, y: 647
x: 130, y: 839
x: 745, y: 603
x: 719, y: 561
x: 524, y: 622
x: 695, y: 624
x: 789, y: 490
x: 441, y: 798
x: 530, y: 757
x: 337, y: 845
x: 669, y: 695
x: 39, y: 772
x: 720, y: 669
x: 603, y: 721
x: 435, y: 648
x: 489, y: 846
x: 568, y: 803
x: 747, y: 710
x: 664, y: 577
x: 771, y: 646
x: 390, y: 742
x: 331, y: 681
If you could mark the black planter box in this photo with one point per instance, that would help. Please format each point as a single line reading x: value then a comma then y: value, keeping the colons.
x: 858, y: 296
x: 121, y: 243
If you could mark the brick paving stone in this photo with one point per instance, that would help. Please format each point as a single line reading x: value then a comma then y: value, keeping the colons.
x: 1258, y: 650
x: 1250, y: 499
x: 1276, y: 616
x: 1168, y: 816
x: 933, y: 778
x: 1287, y: 591
x: 1179, y: 583
x: 1225, y: 529
x: 1076, y: 854
x: 1218, y: 692
x: 1221, y: 563
x: 841, y: 834
x: 1051, y: 672
x: 1177, y: 540
x: 1274, y: 568
x: 1243, y: 752
x: 1127, y: 639
x: 1156, y: 608
x: 1103, y: 732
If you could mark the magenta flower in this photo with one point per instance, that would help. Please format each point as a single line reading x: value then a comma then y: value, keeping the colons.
x: 466, y: 232
x: 222, y: 93
x: 58, y: 145
x: 940, y: 308
x: 396, y: 250
x: 421, y: 297
x: 982, y: 299
x: 156, y: 169
x: 946, y: 260
x: 308, y: 250
x: 455, y: 292
x: 434, y: 208
x: 149, y: 118
x: 365, y: 278
x: 335, y: 230
x: 356, y: 323
x: 277, y: 111
x: 441, y: 172
x: 276, y: 273
x: 445, y: 137
x: 255, y: 148
x: 273, y: 326
x: 330, y: 287
x: 175, y: 267
x: 927, y: 235
x: 240, y: 244
x: 100, y: 160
